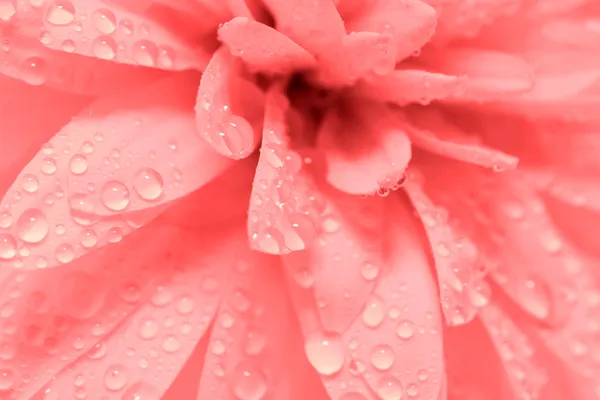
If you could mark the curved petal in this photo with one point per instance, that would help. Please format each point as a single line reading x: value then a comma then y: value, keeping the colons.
x: 406, y: 86
x: 164, y: 330
x: 280, y: 218
x: 411, y: 23
x: 255, y: 348
x: 398, y: 335
x: 228, y: 108
x: 263, y: 48
x: 57, y: 199
x: 346, y: 261
x: 115, y: 34
x: 53, y: 317
x: 365, y: 148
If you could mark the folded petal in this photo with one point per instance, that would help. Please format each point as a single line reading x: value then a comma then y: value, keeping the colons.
x: 58, y: 198
x: 228, y: 108
x: 344, y: 264
x: 255, y: 349
x: 263, y: 48
x: 406, y: 86
x: 365, y: 148
x: 410, y: 23
x: 164, y: 330
x: 396, y: 339
x: 54, y: 317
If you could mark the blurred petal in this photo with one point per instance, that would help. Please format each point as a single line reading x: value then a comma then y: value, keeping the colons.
x: 383, y: 350
x: 74, y: 176
x: 228, y: 108
x: 365, y: 149
x: 163, y: 331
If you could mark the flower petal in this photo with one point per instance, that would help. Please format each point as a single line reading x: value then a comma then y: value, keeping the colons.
x: 115, y: 34
x: 263, y: 48
x: 228, y: 108
x: 391, y: 352
x: 51, y: 203
x: 406, y: 86
x: 346, y: 260
x: 55, y: 316
x: 168, y: 325
x: 411, y: 23
x: 255, y: 348
x: 279, y: 218
x: 432, y: 131
x: 365, y: 149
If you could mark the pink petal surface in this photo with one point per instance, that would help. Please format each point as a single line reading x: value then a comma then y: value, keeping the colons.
x: 365, y: 149
x: 263, y: 48
x: 57, y: 199
x: 227, y: 111
x: 394, y: 340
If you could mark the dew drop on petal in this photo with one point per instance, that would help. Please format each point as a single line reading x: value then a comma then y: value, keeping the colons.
x: 64, y: 253
x: 7, y: 379
x: 249, y: 382
x: 32, y: 226
x: 7, y: 10
x: 141, y: 391
x: 115, y: 195
x: 145, y: 53
x: 148, y: 329
x: 382, y: 357
x: 405, y: 330
x: 234, y: 134
x: 115, y: 377
x: 369, y: 271
x: 171, y: 344
x: 389, y: 389
x: 48, y: 166
x: 78, y: 164
x: 104, y: 20
x: 254, y: 343
x: 60, y: 12
x: 30, y: 183
x: 104, y: 47
x: 325, y: 353
x: 8, y: 247
x: 536, y: 298
x: 148, y: 184
x: 374, y: 312
x: 302, y: 233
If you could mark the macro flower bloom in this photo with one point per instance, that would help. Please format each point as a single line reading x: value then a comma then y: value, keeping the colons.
x: 299, y: 199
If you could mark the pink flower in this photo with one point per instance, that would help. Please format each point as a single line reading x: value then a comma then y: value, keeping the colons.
x: 299, y: 199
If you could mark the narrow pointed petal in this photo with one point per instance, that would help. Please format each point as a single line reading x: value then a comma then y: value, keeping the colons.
x: 392, y: 352
x: 279, y: 217
x: 168, y: 323
x: 263, y: 48
x: 228, y: 108
x: 365, y: 149
x: 346, y: 261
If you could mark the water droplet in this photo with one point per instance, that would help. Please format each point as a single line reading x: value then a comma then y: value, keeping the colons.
x: 145, y: 53
x: 60, y: 12
x: 7, y: 379
x: 141, y: 391
x: 115, y: 377
x: 115, y: 195
x: 48, y: 166
x: 64, y: 253
x: 171, y: 344
x: 162, y: 296
x: 254, y: 343
x: 89, y: 238
x: 5, y: 219
x: 32, y: 226
x: 302, y: 233
x: 7, y: 351
x: 104, y: 20
x: 412, y: 390
x: 78, y: 164
x: 382, y: 357
x: 536, y: 298
x: 325, y: 353
x: 405, y: 330
x: 7, y: 10
x: 97, y: 351
x: 148, y: 184
x: 236, y: 133
x: 114, y: 235
x: 33, y: 71
x: 249, y: 382
x: 239, y: 300
x: 389, y: 389
x: 269, y: 241
x: 369, y: 271
x: 68, y: 46
x: 480, y: 295
x: 8, y: 247
x: 104, y: 47
x: 374, y: 312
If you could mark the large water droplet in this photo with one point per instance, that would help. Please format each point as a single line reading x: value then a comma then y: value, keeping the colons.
x: 389, y: 389
x: 148, y: 184
x: 145, y: 53
x: 115, y: 377
x: 325, y: 353
x: 30, y: 183
x: 32, y: 226
x: 104, y: 47
x: 104, y: 20
x: 148, y: 329
x: 33, y: 71
x: 48, y: 166
x: 141, y: 391
x: 60, y: 12
x: 78, y: 164
x: 382, y: 357
x: 8, y: 247
x: 249, y: 382
x: 64, y: 253
x: 405, y: 330
x: 115, y: 195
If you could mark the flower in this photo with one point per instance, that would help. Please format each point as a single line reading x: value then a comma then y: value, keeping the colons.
x: 392, y: 249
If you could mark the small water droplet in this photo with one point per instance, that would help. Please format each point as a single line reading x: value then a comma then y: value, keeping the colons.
x: 162, y: 296
x: 269, y: 241
x: 78, y: 164
x: 104, y: 47
x: 171, y: 344
x: 64, y: 253
x: 115, y: 195
x: 382, y: 357
x: 68, y: 46
x: 145, y: 53
x: 302, y: 233
x: 60, y: 12
x: 389, y: 389
x: 325, y: 353
x: 249, y: 382
x: 369, y: 271
x: 148, y: 184
x: 374, y: 312
x: 115, y: 377
x: 48, y: 166
x: 235, y: 133
x: 141, y: 391
x: 536, y: 298
x: 8, y: 247
x: 104, y: 20
x: 405, y: 330
x: 32, y: 226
